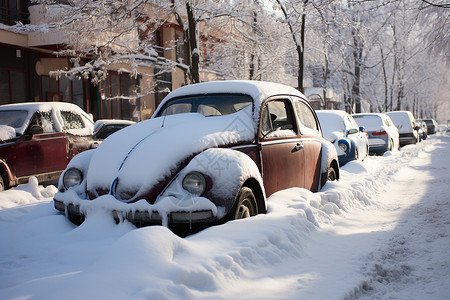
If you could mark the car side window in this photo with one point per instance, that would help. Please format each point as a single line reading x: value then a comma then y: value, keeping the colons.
x: 276, y: 120
x: 306, y: 117
x: 71, y: 121
x: 44, y: 120
x: 350, y: 123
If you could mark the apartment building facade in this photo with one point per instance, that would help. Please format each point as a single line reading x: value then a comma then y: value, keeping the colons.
x: 28, y: 58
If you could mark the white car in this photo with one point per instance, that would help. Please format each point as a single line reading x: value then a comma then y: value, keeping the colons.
x: 407, y: 128
x: 383, y: 135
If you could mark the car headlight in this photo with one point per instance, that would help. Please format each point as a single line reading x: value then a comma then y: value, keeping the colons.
x: 72, y: 177
x: 344, y: 145
x: 194, y: 183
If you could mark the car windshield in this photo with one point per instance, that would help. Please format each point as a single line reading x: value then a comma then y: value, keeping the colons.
x: 369, y: 122
x: 13, y: 118
x: 207, y: 105
x: 105, y: 131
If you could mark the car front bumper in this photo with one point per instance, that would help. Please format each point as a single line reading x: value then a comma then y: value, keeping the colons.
x: 141, y: 217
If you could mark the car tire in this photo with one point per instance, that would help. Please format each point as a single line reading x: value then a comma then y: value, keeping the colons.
x: 332, y: 174
x: 245, y: 205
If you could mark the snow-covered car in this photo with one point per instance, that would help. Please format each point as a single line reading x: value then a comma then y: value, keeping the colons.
x: 382, y: 133
x: 39, y: 139
x: 105, y: 127
x: 406, y: 125
x: 431, y: 126
x: 339, y: 127
x: 212, y: 152
x: 422, y: 129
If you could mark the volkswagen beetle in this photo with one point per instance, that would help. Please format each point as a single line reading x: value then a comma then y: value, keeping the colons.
x: 212, y: 152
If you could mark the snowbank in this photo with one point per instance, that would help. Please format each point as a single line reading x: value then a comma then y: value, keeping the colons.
x: 371, y: 235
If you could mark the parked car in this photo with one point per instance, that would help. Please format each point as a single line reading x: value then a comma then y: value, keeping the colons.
x: 39, y: 139
x: 350, y: 140
x: 212, y: 152
x: 406, y: 125
x: 422, y: 129
x: 382, y: 133
x: 105, y: 127
x: 431, y: 126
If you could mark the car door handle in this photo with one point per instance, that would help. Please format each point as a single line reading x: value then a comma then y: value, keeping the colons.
x: 297, y: 147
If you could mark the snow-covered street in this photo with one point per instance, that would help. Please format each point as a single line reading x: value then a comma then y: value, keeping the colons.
x: 381, y: 232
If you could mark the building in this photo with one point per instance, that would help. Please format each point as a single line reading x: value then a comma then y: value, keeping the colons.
x: 28, y: 59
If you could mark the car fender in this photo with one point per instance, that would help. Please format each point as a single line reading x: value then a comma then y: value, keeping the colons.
x: 5, y: 172
x: 329, y: 158
x: 81, y: 162
x: 225, y: 171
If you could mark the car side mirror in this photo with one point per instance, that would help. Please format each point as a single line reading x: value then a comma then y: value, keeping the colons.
x: 352, y: 131
x: 36, y: 129
x: 362, y: 128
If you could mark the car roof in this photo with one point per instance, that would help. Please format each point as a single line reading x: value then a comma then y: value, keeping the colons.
x: 43, y: 106
x: 258, y: 90
x: 332, y: 112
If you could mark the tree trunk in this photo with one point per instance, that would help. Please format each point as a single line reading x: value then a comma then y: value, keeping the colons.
x: 193, y: 45
x: 383, y: 66
x: 356, y: 93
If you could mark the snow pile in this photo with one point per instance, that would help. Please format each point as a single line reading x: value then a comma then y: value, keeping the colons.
x: 26, y: 194
x: 7, y: 133
x: 380, y: 232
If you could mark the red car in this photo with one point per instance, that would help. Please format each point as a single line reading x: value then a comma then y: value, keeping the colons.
x: 39, y: 139
x: 212, y: 152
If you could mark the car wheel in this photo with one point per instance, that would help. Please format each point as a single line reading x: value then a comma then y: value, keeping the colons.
x: 332, y: 175
x: 245, y: 205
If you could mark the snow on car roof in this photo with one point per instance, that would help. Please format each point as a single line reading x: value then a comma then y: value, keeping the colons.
x: 258, y: 90
x: 42, y: 106
x: 404, y: 120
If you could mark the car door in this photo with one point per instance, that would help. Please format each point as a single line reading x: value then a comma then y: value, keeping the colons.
x: 78, y: 136
x: 281, y: 148
x: 312, y: 142
x: 41, y: 153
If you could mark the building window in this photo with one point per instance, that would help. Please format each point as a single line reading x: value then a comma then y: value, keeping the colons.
x: 179, y: 44
x: 115, y: 103
x: 163, y: 79
x: 13, y: 86
x: 12, y: 11
x: 63, y: 90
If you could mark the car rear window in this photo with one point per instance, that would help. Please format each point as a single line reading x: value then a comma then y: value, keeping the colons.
x: 13, y: 118
x: 207, y: 105
x: 370, y: 122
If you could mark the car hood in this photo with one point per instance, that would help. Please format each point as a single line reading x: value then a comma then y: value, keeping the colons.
x: 142, y: 158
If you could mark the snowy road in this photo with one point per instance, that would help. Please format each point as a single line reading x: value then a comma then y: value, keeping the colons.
x: 381, y: 232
